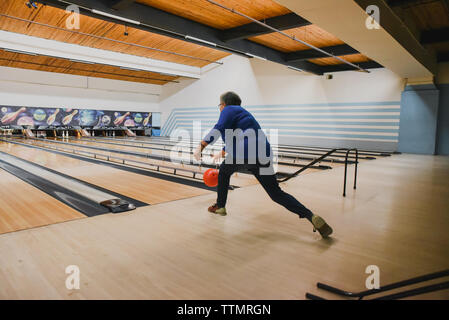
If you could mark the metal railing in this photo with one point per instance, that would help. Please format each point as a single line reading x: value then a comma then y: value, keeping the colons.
x: 399, y: 295
x: 327, y: 154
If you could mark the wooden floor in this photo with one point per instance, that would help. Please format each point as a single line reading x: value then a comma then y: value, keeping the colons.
x: 397, y: 219
x: 23, y: 206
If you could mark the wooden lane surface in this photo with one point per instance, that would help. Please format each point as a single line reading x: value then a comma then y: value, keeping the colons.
x: 238, y: 179
x: 241, y: 179
x: 23, y: 206
x: 311, y: 154
x: 143, y: 188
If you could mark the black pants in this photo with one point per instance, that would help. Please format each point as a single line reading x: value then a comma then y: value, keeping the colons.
x: 268, y: 182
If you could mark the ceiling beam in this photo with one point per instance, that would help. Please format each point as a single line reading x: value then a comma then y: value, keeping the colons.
x: 157, y: 21
x: 120, y: 4
x: 435, y: 36
x: 345, y: 67
x: 443, y: 56
x: 398, y: 3
x: 339, y: 50
x: 392, y: 45
x: 284, y: 22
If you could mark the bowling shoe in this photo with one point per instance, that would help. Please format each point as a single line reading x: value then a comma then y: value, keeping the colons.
x: 323, y: 228
x: 215, y: 209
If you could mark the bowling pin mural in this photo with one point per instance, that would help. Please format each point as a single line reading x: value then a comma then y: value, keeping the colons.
x: 147, y: 119
x: 52, y: 118
x: 12, y: 116
x: 68, y: 119
x: 120, y: 119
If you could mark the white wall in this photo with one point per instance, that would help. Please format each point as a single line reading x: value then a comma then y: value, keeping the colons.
x: 263, y: 83
x: 20, y: 87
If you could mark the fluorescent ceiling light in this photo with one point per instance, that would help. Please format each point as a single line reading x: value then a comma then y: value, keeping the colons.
x: 297, y: 69
x: 114, y: 16
x: 167, y: 74
x: 19, y: 51
x: 201, y: 40
x: 81, y: 61
x: 254, y: 56
x: 132, y: 69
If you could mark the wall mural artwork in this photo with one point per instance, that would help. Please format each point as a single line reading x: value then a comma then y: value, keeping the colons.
x: 33, y: 116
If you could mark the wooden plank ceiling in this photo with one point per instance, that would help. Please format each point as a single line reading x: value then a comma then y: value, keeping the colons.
x: 428, y: 15
x: 431, y: 18
x: 197, y: 10
x: 57, y: 17
x: 51, y: 64
x: 206, y: 13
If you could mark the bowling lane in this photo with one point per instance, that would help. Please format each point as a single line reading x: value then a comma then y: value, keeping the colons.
x: 288, y: 163
x: 114, y: 147
x: 147, y: 189
x: 239, y: 179
x: 23, y: 206
x: 117, y: 146
x: 150, y: 143
x: 83, y: 147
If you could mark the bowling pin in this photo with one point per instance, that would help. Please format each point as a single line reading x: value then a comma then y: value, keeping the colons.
x: 10, y: 117
x: 52, y: 118
x: 147, y: 119
x: 119, y: 120
x: 68, y: 119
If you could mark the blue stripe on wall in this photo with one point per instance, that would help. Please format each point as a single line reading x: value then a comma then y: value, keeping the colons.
x: 301, y: 120
x: 321, y: 134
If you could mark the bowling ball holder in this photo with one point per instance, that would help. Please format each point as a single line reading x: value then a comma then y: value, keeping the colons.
x: 118, y: 205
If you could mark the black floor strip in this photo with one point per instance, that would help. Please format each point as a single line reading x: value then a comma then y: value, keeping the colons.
x: 86, y: 206
x: 135, y: 202
x: 175, y: 179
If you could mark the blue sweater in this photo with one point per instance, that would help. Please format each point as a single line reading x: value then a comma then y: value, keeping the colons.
x: 245, y: 142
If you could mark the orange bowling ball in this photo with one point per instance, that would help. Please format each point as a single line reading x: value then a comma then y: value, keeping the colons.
x: 210, y: 177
